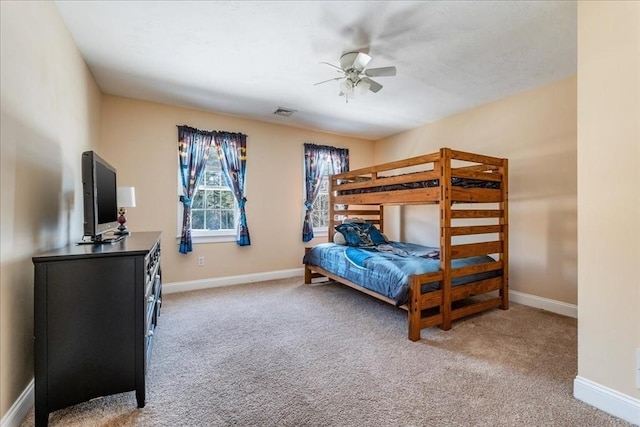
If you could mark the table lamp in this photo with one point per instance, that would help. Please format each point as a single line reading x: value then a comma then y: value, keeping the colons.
x: 126, y: 199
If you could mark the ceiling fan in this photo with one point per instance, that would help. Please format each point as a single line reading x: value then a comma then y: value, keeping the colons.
x: 356, y: 75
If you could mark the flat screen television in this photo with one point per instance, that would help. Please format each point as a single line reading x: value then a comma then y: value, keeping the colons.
x: 100, y: 197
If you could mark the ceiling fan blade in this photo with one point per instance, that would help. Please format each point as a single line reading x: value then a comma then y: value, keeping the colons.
x: 354, y: 60
x: 373, y: 85
x: 331, y: 65
x: 361, y: 61
x: 381, y: 72
x: 329, y: 80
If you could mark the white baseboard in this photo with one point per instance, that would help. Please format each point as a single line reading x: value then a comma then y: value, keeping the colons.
x: 547, y: 304
x: 192, y: 285
x: 607, y: 400
x: 20, y: 408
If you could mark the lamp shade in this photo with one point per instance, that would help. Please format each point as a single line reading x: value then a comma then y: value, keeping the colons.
x: 363, y: 86
x: 126, y: 197
x: 347, y: 87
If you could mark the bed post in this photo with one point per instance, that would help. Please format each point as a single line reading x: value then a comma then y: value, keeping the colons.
x: 504, y: 236
x: 445, y: 236
x: 415, y: 312
x: 307, y: 270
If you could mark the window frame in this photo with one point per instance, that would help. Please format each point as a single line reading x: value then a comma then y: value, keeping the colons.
x: 317, y: 231
x: 206, y: 236
x: 322, y: 230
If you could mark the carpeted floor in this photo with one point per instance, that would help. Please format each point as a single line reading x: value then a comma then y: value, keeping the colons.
x: 282, y: 353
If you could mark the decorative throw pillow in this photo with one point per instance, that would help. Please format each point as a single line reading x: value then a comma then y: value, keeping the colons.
x: 338, y: 239
x: 376, y: 236
x: 354, y: 235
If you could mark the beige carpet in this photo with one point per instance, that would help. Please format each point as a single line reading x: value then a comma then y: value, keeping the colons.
x: 282, y: 353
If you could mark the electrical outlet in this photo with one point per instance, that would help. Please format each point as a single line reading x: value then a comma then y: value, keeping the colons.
x: 200, y: 261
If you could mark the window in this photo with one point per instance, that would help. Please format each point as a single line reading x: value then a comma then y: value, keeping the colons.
x: 214, y: 209
x: 320, y: 212
x: 320, y: 161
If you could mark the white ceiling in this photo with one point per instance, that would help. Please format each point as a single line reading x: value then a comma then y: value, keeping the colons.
x: 248, y: 58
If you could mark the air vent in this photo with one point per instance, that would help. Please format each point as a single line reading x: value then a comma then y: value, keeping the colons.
x: 281, y: 111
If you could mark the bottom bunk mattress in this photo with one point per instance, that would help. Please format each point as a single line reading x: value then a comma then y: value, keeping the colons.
x: 386, y: 268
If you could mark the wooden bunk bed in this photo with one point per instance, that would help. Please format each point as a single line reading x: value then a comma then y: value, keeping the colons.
x: 472, y: 193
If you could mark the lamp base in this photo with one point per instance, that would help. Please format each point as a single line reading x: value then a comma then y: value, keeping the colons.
x: 122, y: 230
x: 122, y: 220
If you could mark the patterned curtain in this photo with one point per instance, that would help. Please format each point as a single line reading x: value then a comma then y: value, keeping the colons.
x: 232, y: 152
x: 193, y: 152
x: 318, y: 161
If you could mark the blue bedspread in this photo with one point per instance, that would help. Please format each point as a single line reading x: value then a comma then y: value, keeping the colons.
x: 386, y: 268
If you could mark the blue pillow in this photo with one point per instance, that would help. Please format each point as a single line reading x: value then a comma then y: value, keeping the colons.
x: 361, y: 234
x: 376, y: 236
x: 354, y: 234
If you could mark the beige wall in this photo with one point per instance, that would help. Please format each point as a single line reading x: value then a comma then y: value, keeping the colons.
x: 140, y: 140
x: 609, y: 193
x: 536, y: 131
x: 50, y: 114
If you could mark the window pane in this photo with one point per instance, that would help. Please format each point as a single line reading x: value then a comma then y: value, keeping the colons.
x: 207, y: 179
x: 213, y: 220
x: 324, y: 185
x: 215, y: 179
x: 198, y: 200
x: 324, y: 202
x: 211, y: 203
x: 227, y: 219
x: 227, y: 201
x: 197, y: 219
x: 320, y: 213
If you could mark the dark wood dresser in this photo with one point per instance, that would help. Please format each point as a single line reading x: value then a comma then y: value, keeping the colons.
x: 95, y: 312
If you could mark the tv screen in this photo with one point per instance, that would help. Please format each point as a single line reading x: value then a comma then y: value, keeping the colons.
x: 99, y: 196
x: 106, y: 194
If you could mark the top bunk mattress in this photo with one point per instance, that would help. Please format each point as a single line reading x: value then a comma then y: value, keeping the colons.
x: 455, y: 181
x: 386, y: 268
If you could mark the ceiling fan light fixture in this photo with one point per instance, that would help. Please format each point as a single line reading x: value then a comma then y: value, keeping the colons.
x: 347, y: 87
x: 363, y: 86
x: 355, y: 74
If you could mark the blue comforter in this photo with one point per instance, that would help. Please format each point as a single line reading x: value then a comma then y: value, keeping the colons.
x: 385, y: 269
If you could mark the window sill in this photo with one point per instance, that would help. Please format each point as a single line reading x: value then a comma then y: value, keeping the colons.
x: 196, y: 240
